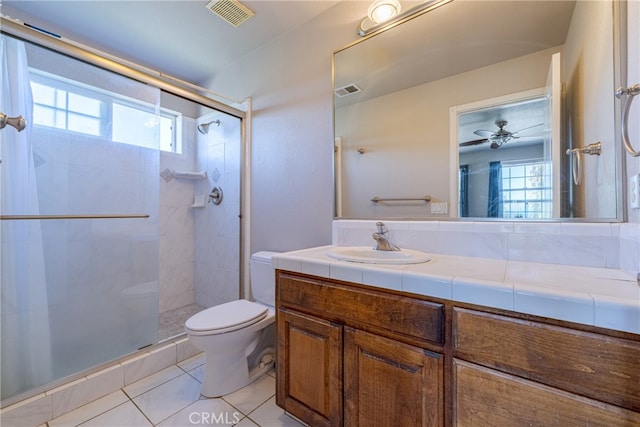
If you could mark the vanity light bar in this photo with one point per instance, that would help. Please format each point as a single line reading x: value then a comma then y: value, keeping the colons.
x: 404, y: 16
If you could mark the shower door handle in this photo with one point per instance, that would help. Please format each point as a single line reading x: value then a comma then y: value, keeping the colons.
x: 17, y: 122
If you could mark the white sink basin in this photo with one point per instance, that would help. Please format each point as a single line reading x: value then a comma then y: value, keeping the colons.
x: 367, y: 254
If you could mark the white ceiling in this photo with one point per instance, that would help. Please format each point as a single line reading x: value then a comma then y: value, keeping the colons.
x: 183, y: 39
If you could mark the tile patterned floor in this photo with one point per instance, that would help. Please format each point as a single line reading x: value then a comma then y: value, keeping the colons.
x: 171, y: 323
x: 172, y: 397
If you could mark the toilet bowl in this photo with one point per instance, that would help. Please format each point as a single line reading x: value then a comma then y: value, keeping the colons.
x: 238, y: 337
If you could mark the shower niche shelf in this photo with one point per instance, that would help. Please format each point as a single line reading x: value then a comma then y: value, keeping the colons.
x: 190, y: 175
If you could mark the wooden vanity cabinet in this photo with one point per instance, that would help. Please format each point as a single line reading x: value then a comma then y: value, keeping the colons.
x: 511, y: 371
x: 354, y: 356
x: 389, y: 383
x: 309, y: 368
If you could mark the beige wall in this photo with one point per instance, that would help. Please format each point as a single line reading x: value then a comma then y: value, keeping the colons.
x: 292, y: 163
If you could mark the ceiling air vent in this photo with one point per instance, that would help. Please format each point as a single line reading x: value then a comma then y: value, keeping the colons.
x: 232, y: 11
x: 347, y: 90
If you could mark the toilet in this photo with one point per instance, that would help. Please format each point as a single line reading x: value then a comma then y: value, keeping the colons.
x: 238, y: 337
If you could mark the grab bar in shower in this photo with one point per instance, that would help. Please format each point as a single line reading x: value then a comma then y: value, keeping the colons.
x: 17, y: 122
x: 630, y: 92
x: 82, y: 216
x: 377, y: 199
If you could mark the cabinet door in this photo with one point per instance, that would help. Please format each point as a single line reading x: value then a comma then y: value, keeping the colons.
x: 388, y: 383
x: 309, y: 368
x: 486, y: 397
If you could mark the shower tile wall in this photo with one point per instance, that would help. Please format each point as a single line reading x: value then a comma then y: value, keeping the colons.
x: 217, y: 227
x: 199, y: 247
x: 177, y: 250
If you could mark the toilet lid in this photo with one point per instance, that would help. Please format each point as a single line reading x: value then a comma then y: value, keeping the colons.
x: 227, y: 317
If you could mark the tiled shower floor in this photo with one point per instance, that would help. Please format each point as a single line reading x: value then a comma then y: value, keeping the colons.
x: 171, y: 323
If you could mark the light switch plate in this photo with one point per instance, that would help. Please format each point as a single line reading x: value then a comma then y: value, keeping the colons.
x: 634, y: 191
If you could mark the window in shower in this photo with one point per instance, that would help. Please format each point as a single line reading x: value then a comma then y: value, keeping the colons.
x: 76, y: 107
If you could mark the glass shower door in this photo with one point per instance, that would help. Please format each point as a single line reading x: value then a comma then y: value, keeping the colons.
x: 79, y: 205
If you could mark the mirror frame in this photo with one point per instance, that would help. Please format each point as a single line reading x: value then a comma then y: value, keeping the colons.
x: 619, y: 13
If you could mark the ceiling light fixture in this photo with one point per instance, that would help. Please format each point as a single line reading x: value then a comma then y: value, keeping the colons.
x: 382, y: 10
x: 383, y: 14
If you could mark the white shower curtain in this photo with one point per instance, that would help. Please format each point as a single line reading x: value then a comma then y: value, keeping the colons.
x: 26, y: 345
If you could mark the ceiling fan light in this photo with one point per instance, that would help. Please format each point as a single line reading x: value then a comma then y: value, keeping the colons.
x: 383, y: 10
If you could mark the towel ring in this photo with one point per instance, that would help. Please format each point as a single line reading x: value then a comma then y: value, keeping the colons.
x: 576, y: 156
x: 630, y: 92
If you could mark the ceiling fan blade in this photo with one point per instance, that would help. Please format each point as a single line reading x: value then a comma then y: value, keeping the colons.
x: 529, y: 127
x: 485, y: 133
x: 474, y: 142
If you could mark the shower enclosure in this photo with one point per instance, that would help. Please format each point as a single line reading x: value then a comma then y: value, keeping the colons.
x: 80, y: 216
x: 91, y: 202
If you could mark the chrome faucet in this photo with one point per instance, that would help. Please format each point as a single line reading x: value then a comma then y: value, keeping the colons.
x: 382, y: 241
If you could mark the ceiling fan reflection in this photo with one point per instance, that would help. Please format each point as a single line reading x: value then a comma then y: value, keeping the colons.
x: 496, y: 138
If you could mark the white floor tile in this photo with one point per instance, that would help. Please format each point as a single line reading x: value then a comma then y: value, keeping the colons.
x: 124, y: 415
x: 255, y: 394
x: 205, y: 412
x: 197, y: 373
x: 246, y: 422
x: 90, y: 410
x: 142, y: 386
x: 193, y: 362
x: 271, y: 415
x: 169, y: 398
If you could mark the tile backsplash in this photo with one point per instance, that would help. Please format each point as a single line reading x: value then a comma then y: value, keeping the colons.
x: 607, y: 245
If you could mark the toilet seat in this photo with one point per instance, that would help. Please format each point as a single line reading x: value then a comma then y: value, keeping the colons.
x: 226, y: 317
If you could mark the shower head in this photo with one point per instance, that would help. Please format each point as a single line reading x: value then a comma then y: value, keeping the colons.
x: 203, y: 128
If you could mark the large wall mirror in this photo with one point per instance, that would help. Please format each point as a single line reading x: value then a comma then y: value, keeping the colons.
x: 483, y: 109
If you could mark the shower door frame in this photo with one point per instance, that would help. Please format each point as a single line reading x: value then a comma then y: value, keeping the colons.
x: 169, y: 84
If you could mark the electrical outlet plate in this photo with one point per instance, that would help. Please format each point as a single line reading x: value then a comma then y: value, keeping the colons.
x: 634, y: 191
x: 439, y: 208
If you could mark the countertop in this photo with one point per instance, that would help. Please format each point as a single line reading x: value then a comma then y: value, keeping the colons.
x: 593, y: 296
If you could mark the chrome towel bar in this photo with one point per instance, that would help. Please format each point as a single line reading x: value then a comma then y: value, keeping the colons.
x: 377, y: 199
x: 83, y: 216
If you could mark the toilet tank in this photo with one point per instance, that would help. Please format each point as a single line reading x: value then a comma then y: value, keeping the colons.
x: 263, y: 278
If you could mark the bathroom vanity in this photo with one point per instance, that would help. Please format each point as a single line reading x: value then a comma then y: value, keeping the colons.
x: 357, y: 354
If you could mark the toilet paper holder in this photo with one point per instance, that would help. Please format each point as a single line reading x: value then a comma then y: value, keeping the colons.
x: 215, y: 196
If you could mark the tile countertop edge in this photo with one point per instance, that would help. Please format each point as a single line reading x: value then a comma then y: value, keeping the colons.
x: 627, y: 318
